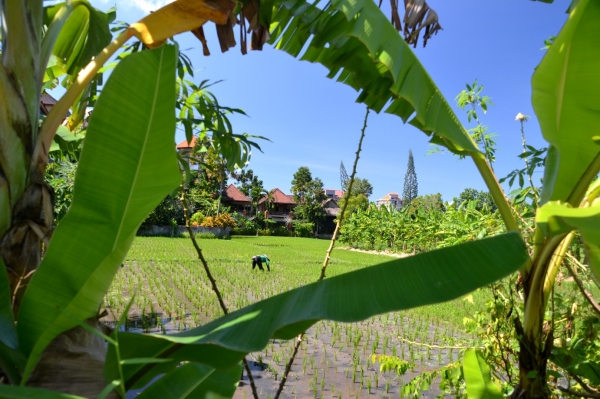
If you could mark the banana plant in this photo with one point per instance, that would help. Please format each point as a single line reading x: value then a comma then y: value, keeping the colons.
x: 56, y: 300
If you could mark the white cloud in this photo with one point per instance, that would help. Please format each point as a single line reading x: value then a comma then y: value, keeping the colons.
x: 149, y: 5
x: 144, y: 5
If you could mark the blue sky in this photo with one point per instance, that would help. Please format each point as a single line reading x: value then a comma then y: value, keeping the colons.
x: 315, y: 122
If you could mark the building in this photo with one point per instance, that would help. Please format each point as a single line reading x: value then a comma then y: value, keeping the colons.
x: 185, y: 148
x: 332, y: 210
x: 333, y: 193
x: 236, y: 200
x: 390, y: 199
x: 280, y: 207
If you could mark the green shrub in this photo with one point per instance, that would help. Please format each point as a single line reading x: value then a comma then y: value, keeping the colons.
x: 265, y: 232
x: 281, y: 231
x: 197, y: 218
x: 302, y: 229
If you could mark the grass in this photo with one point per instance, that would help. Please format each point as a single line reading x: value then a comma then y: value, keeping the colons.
x: 172, y: 294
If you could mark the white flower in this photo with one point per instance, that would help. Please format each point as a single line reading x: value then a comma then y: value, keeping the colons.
x: 521, y: 117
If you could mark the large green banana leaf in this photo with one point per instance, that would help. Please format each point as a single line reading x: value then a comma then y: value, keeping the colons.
x: 16, y: 392
x: 478, y: 377
x: 127, y: 166
x: 565, y: 99
x: 359, y: 46
x: 556, y: 218
x: 423, y: 279
x: 195, y: 381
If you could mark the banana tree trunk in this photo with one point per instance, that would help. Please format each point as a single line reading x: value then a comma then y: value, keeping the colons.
x: 533, y: 358
x: 73, y: 362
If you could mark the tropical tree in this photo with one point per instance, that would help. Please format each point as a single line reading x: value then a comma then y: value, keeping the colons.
x: 343, y: 175
x: 481, y: 198
x: 302, y: 184
x: 310, y: 207
x: 90, y: 242
x: 250, y: 185
x: 427, y: 203
x: 358, y: 198
x: 411, y: 187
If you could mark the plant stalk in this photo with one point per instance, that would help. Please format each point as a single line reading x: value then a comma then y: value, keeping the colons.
x: 529, y: 176
x: 213, y: 282
x: 288, y: 366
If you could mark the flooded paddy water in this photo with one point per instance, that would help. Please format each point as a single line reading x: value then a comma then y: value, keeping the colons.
x: 335, y: 360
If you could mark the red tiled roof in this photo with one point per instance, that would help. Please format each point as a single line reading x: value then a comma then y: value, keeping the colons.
x: 279, y: 198
x: 232, y: 193
x: 185, y: 145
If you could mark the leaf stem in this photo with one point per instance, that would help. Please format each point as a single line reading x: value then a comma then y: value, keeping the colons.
x: 213, y: 282
x: 288, y: 366
x: 584, y: 182
x: 529, y: 172
x: 586, y: 293
x: 346, y: 197
x: 495, y: 190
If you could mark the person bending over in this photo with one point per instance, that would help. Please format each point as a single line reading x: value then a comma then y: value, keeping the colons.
x: 258, y: 260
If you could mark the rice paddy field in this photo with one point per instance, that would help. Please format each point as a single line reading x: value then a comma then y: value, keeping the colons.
x: 172, y: 294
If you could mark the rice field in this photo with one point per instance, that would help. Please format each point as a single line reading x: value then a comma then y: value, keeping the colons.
x: 172, y: 294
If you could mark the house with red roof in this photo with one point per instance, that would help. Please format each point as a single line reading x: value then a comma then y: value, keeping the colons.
x: 390, y: 199
x: 333, y: 193
x: 185, y: 148
x: 236, y: 200
x: 279, y: 205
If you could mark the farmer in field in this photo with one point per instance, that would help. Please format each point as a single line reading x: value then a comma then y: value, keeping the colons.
x: 258, y: 260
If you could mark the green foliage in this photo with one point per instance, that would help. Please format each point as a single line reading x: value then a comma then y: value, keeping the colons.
x: 309, y: 195
x: 358, y: 198
x: 285, y: 315
x: 392, y: 363
x: 473, y: 99
x: 427, y: 203
x: 482, y: 199
x: 411, y: 187
x: 168, y: 210
x: 418, y: 229
x: 478, y: 378
x: 197, y: 218
x: 564, y: 119
x: 356, y: 43
x: 302, y: 184
x: 142, y: 181
x: 61, y: 176
x: 302, y: 229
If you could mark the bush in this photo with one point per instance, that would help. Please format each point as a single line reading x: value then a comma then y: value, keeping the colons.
x: 281, y: 231
x: 302, y: 229
x: 223, y: 220
x: 197, y: 218
x: 265, y: 232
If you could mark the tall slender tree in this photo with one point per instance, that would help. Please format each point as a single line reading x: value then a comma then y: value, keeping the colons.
x: 343, y: 176
x: 411, y: 188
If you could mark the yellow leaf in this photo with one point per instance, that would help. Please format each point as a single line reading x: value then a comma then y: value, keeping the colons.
x: 178, y: 17
x: 468, y: 298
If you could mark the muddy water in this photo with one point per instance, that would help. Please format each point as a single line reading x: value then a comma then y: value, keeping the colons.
x: 324, y: 370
